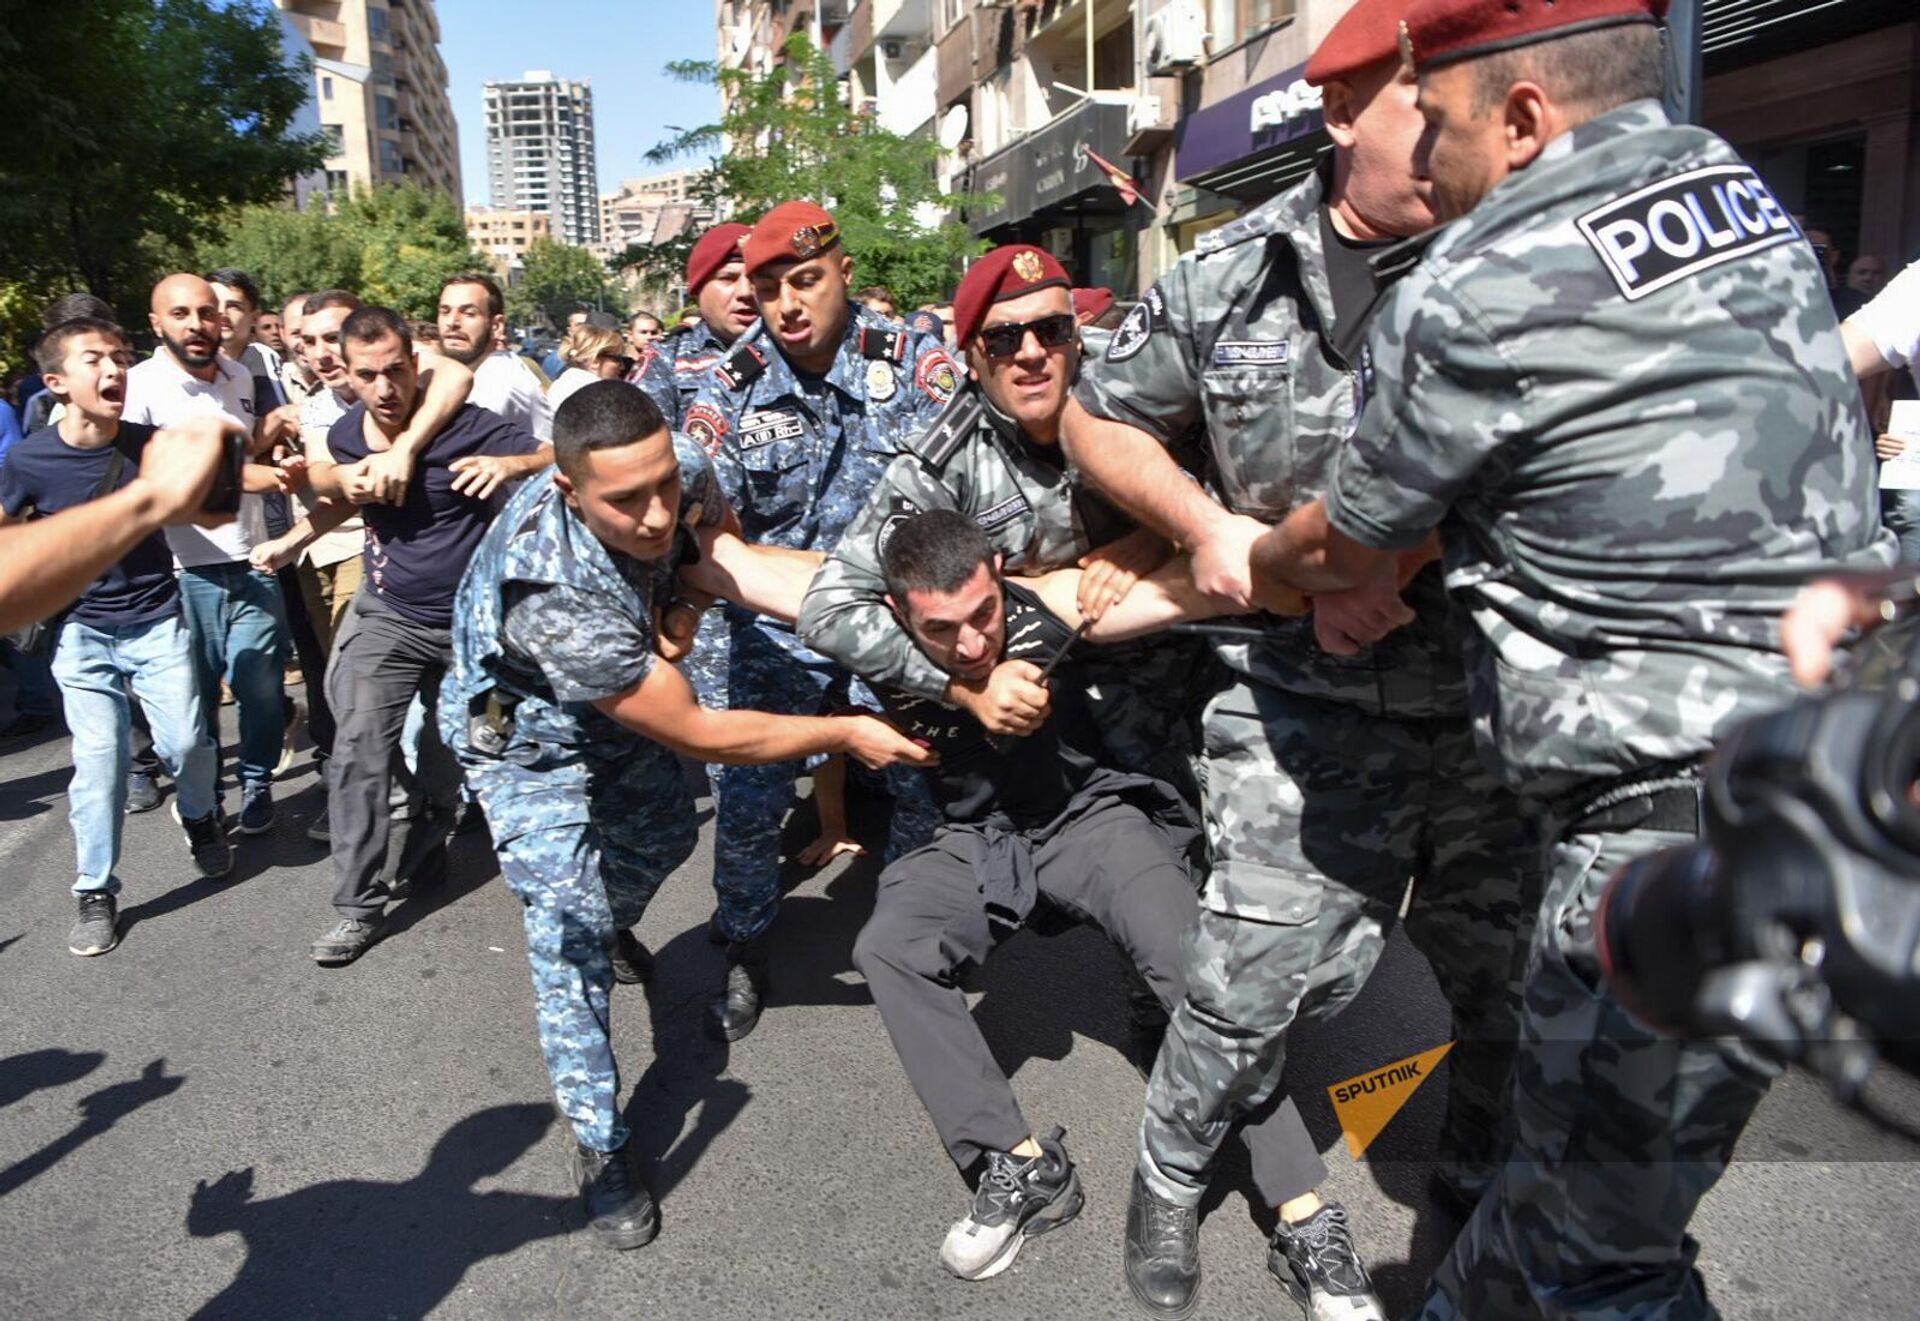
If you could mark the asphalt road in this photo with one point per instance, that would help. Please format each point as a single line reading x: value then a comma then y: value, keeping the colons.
x: 203, y: 1123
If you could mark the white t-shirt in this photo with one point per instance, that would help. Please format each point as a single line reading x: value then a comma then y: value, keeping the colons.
x: 161, y: 392
x: 1892, y: 321
x: 502, y: 384
x: 317, y: 416
x: 566, y: 383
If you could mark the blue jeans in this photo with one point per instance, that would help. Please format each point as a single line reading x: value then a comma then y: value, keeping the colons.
x: 239, y: 626
x: 94, y: 668
x: 1900, y: 511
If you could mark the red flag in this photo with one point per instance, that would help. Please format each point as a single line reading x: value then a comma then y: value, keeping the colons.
x: 1119, y: 178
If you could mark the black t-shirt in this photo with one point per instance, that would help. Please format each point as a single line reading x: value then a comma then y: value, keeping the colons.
x: 1030, y: 779
x: 1351, y: 281
x: 45, y: 473
x: 417, y: 551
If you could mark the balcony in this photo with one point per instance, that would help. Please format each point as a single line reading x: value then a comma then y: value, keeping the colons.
x: 327, y: 36
x: 902, y: 20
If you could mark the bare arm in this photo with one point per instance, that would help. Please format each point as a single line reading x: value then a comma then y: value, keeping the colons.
x: 662, y: 707
x: 1862, y: 352
x: 1309, y: 554
x: 769, y: 580
x: 1166, y: 596
x: 326, y: 515
x: 444, y: 387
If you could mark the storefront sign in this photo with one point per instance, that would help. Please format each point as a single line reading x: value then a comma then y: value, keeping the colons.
x: 1047, y: 168
x: 1267, y: 115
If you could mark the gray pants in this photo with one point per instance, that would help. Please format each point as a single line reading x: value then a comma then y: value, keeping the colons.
x: 381, y: 660
x: 1318, y: 815
x: 1618, y: 1133
x: 1111, y: 867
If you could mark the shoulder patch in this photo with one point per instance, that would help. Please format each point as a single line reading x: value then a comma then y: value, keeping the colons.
x: 881, y: 342
x: 707, y: 425
x: 943, y: 439
x: 893, y: 523
x: 741, y: 367
x: 1684, y: 225
x: 1148, y: 315
x: 937, y: 376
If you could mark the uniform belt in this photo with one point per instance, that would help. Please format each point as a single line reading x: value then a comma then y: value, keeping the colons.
x: 1669, y: 802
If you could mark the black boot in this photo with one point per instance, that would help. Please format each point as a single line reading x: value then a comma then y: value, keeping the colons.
x: 1162, y: 1253
x: 618, y: 1204
x: 737, y: 1008
x: 632, y: 961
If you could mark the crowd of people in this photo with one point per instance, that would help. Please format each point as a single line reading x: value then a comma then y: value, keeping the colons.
x: 1400, y: 554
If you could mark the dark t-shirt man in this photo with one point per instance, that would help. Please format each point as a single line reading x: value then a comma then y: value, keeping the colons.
x: 46, y: 474
x: 417, y: 550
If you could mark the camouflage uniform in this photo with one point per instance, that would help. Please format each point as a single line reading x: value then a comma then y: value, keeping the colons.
x: 974, y: 459
x: 655, y: 374
x: 1635, y: 455
x: 1328, y: 781
x: 692, y: 357
x: 587, y: 817
x: 797, y: 457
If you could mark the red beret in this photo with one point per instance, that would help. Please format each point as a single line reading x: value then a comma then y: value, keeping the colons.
x: 792, y: 231
x: 1018, y: 268
x: 1090, y: 303
x: 1441, y: 32
x: 1367, y: 34
x: 716, y: 248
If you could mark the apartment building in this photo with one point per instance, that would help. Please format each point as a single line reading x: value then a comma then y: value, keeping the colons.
x: 504, y: 236
x: 540, y: 152
x: 380, y: 89
x: 1201, y: 107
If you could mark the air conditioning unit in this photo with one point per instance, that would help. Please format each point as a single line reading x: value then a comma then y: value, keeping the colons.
x: 1145, y: 114
x: 1177, y: 37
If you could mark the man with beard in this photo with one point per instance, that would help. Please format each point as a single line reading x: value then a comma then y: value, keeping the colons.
x: 1636, y: 438
x: 473, y: 320
x: 1331, y: 778
x: 801, y: 417
x: 235, y: 615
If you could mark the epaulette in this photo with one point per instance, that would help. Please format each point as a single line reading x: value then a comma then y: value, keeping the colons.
x: 881, y: 342
x: 1396, y: 259
x: 949, y: 431
x: 741, y: 368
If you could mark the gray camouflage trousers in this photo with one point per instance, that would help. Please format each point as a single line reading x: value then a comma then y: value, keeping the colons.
x: 1318, y: 814
x: 1617, y: 1133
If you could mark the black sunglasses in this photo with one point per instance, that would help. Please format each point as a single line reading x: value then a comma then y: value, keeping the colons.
x: 1004, y: 340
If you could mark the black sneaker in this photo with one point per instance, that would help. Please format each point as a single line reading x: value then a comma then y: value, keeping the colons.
x: 735, y: 1011
x: 256, y: 810
x: 1018, y: 1198
x: 632, y: 961
x: 143, y: 795
x: 1162, y: 1253
x: 207, y: 841
x: 97, y: 929
x: 619, y: 1207
x: 1316, y: 1262
x: 347, y: 939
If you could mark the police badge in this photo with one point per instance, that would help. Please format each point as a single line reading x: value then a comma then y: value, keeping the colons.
x: 1027, y: 266
x: 881, y: 382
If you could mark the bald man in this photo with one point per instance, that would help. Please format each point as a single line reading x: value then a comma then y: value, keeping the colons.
x: 236, y: 617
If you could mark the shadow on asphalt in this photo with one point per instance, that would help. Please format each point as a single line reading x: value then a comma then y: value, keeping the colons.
x: 360, y: 1247
x: 21, y: 798
x: 11, y: 941
x: 24, y: 1074
x: 99, y: 1111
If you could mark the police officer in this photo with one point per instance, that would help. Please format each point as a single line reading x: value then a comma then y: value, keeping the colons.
x: 566, y: 724
x: 801, y: 417
x: 1614, y: 385
x: 1330, y: 778
x: 717, y: 282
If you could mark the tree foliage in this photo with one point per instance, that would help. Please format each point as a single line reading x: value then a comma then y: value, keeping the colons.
x: 790, y: 134
x: 394, y: 245
x: 133, y: 128
x: 558, y: 279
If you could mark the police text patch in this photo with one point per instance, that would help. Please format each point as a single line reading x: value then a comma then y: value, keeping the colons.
x: 764, y: 427
x: 1684, y: 225
x: 1238, y: 353
x: 1004, y: 512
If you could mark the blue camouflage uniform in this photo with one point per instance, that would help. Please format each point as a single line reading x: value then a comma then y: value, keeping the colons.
x: 588, y: 818
x: 654, y: 374
x: 797, y: 458
x: 689, y: 358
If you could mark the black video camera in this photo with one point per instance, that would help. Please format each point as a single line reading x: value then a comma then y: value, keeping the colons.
x: 1795, y: 922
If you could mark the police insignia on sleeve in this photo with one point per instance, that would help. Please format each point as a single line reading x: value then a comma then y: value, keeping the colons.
x: 880, y: 380
x: 707, y: 425
x: 1681, y: 226
x: 937, y: 376
x: 1138, y: 328
x: 892, y: 525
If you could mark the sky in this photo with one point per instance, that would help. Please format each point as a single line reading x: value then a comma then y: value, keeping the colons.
x: 621, y: 47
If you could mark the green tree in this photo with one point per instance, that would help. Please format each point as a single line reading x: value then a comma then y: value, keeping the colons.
x: 558, y: 279
x: 789, y: 134
x: 133, y: 128
x: 287, y: 251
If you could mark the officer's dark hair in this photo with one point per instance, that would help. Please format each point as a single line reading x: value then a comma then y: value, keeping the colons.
x: 72, y: 307
x: 496, y: 301
x: 235, y: 278
x: 327, y: 298
x: 603, y: 415
x: 371, y: 324
x: 50, y: 354
x: 1587, y: 72
x: 933, y: 552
